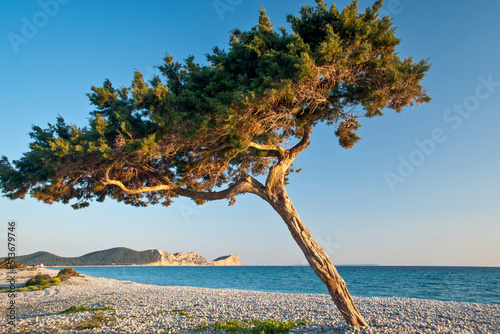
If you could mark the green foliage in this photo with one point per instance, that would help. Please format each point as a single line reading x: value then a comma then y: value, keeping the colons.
x: 55, y: 281
x: 40, y: 282
x: 95, y: 321
x: 37, y: 280
x: 82, y: 308
x: 255, y: 326
x: 196, y: 127
x: 154, y: 314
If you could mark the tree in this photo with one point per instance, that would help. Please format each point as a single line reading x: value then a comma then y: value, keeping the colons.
x: 207, y: 131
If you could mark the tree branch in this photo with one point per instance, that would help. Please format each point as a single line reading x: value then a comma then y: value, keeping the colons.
x: 273, y: 148
x: 128, y: 191
x: 249, y: 184
x: 304, y: 142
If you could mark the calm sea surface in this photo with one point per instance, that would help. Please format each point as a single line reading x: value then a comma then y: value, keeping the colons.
x: 461, y: 284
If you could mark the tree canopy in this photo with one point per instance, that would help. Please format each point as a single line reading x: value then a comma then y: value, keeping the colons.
x: 198, y: 127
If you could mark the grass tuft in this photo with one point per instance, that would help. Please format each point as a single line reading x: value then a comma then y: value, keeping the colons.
x: 96, y: 321
x: 180, y: 311
x: 255, y: 326
x: 183, y: 312
x: 82, y: 308
x: 159, y: 312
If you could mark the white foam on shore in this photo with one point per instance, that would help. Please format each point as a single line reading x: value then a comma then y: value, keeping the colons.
x: 142, y: 308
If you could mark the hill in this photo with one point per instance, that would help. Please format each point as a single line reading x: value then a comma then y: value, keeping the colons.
x: 127, y: 256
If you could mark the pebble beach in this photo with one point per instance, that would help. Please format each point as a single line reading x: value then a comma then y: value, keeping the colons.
x: 128, y: 307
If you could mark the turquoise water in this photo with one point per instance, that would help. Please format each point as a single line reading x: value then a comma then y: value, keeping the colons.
x: 461, y: 284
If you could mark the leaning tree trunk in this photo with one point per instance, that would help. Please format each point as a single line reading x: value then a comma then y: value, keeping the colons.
x: 317, y: 257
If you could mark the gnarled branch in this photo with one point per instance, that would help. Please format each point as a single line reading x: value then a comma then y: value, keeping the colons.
x: 278, y: 150
x: 304, y: 142
x: 247, y: 185
x: 128, y: 191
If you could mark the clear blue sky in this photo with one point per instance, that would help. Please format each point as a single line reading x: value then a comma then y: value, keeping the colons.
x: 442, y: 207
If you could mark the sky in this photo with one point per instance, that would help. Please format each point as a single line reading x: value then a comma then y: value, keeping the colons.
x: 420, y: 188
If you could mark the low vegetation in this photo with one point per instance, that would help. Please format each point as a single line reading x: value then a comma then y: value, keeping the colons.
x: 38, y: 279
x: 82, y: 308
x: 181, y: 312
x: 66, y: 273
x: 255, y: 326
x: 9, y: 263
x: 96, y: 321
x: 40, y: 282
x: 154, y: 314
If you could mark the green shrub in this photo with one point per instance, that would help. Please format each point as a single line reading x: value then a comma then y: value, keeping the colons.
x: 55, y: 281
x: 66, y: 273
x: 44, y: 285
x: 40, y: 282
x: 37, y: 280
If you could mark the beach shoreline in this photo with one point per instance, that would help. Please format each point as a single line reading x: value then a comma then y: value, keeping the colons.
x: 144, y: 308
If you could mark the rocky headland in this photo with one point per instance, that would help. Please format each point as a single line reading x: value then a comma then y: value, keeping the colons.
x: 193, y: 259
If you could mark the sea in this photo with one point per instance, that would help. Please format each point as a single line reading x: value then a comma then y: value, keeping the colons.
x: 460, y: 284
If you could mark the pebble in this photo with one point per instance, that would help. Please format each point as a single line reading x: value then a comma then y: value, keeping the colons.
x: 143, y: 308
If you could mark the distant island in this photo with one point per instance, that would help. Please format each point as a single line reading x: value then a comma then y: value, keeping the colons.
x: 121, y: 256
